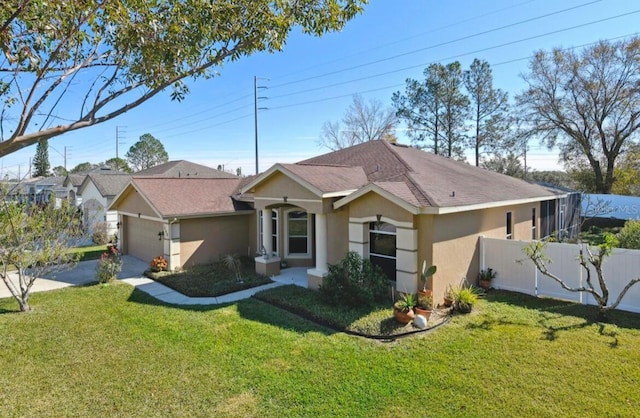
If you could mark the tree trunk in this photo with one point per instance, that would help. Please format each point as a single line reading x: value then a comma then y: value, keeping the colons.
x: 24, y: 305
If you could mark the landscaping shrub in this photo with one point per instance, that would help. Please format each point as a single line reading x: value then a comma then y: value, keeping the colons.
x: 629, y: 235
x: 354, y: 282
x: 158, y: 264
x: 99, y: 234
x: 109, y: 265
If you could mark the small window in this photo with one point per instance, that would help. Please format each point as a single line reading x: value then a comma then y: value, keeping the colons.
x: 382, y: 247
x: 509, y: 226
x: 534, y: 234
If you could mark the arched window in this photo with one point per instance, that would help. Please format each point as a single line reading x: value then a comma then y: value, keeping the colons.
x: 382, y: 247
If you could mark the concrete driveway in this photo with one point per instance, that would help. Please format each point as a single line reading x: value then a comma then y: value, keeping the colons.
x: 83, y: 273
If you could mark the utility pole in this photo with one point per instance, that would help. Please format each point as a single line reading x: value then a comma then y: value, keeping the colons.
x: 256, y: 109
x: 118, y: 138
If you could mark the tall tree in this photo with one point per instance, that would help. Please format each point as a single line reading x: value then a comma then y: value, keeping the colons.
x: 146, y: 153
x: 59, y: 171
x: 118, y: 164
x: 435, y: 109
x: 362, y: 122
x: 509, y: 165
x: 83, y: 168
x: 124, y: 53
x: 489, y: 107
x: 41, y: 165
x: 587, y: 103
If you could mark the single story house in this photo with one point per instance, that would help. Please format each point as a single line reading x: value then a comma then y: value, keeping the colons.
x: 183, y: 168
x: 395, y: 205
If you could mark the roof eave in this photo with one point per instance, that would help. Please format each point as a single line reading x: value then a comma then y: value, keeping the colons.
x: 443, y: 210
x: 206, y: 214
x: 280, y: 168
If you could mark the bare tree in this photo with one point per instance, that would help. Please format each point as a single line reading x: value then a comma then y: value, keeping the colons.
x: 588, y: 260
x: 362, y: 122
x: 587, y: 103
x: 104, y: 57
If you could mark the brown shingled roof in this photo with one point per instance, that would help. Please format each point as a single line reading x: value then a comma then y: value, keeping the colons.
x: 180, y: 197
x: 329, y: 179
x: 431, y: 180
x: 183, y: 168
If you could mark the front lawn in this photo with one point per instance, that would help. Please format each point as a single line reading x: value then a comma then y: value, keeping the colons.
x: 115, y: 351
x: 211, y: 279
x: 377, y: 321
x: 92, y: 252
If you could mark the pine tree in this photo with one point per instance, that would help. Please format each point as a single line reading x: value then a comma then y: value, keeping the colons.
x: 41, y: 164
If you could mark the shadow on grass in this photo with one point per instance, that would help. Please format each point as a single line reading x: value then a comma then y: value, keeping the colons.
x: 250, y: 309
x: 555, y: 316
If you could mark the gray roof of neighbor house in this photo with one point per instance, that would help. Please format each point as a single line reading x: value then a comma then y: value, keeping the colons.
x: 188, y: 196
x: 419, y: 178
x: 109, y: 185
x: 182, y: 168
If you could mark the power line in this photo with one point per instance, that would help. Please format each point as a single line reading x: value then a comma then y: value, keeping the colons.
x: 436, y: 45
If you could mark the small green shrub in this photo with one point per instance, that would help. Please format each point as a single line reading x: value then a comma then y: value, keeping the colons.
x: 99, y: 234
x: 109, y: 265
x: 354, y: 282
x: 629, y: 235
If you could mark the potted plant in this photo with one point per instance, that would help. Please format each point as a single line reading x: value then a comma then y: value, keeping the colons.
x: 448, y: 296
x: 424, y: 277
x: 403, y: 308
x: 464, y: 297
x: 424, y: 305
x: 485, y: 276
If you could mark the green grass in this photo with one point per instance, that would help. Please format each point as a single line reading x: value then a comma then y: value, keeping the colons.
x: 376, y: 321
x: 210, y: 279
x: 92, y: 252
x: 114, y: 351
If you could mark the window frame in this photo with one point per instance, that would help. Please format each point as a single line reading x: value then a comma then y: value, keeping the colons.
x: 534, y: 224
x: 384, y: 256
x: 274, y: 232
x: 509, y: 225
x: 288, y: 253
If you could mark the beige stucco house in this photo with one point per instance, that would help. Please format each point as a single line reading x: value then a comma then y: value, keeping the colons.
x: 395, y: 205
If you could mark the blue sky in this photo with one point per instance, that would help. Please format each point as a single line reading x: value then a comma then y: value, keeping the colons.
x: 313, y: 79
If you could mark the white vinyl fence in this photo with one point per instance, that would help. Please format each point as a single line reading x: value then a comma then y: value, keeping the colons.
x: 517, y: 272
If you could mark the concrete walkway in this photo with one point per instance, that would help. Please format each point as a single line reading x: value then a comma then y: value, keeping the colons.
x: 132, y: 273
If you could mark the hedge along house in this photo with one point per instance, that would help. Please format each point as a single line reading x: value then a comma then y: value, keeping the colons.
x: 394, y: 205
x: 187, y: 220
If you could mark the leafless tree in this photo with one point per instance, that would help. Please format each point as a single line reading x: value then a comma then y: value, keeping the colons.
x: 587, y: 103
x: 362, y: 122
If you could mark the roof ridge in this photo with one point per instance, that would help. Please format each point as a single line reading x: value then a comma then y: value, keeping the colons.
x: 391, y: 148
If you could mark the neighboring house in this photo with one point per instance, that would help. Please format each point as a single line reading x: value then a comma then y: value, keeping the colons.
x: 98, y: 189
x: 72, y: 184
x: 395, y: 205
x: 189, y: 220
x: 39, y: 191
x: 182, y: 168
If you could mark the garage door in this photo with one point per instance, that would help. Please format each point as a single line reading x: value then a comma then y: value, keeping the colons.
x: 142, y: 238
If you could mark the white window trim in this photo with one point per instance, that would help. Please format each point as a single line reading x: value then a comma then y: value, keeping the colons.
x: 274, y: 233
x: 285, y: 216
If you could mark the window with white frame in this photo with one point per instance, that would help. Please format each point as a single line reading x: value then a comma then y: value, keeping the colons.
x: 382, y: 247
x: 274, y: 231
x: 298, y: 233
x: 509, y: 226
x: 534, y: 234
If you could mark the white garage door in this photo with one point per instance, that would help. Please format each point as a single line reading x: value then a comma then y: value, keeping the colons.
x: 142, y: 238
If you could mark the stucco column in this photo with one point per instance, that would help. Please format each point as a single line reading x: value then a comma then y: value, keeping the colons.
x: 267, y: 264
x: 316, y: 275
x: 321, y: 242
x: 267, y: 231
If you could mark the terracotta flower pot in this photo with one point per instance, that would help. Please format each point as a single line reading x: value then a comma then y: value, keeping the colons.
x: 404, y: 317
x: 485, y: 284
x: 424, y: 312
